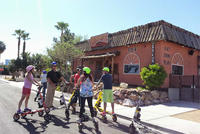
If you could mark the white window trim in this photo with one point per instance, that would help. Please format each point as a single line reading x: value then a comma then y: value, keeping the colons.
x: 177, y: 64
x: 180, y: 56
x: 131, y: 64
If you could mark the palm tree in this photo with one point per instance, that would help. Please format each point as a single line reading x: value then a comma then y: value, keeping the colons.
x: 2, y: 48
x: 24, y: 37
x: 62, y: 27
x: 19, y: 34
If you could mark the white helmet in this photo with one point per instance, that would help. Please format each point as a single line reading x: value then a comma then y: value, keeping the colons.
x: 29, y: 68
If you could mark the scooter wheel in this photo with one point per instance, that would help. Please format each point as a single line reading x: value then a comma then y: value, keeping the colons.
x: 132, y: 129
x: 80, y: 127
x: 96, y: 125
x: 39, y: 105
x: 23, y: 116
x: 138, y: 117
x: 104, y: 118
x: 40, y: 113
x: 16, y: 117
x: 114, y: 117
x: 85, y: 118
x: 95, y: 112
x: 67, y: 114
x: 47, y: 117
x: 61, y: 103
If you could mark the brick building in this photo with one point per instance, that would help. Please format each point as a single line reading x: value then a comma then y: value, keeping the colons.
x: 127, y: 51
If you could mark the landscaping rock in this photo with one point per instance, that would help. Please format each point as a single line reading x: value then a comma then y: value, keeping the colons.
x: 155, y: 94
x: 133, y: 97
x: 147, y: 102
x: 116, y: 93
x: 123, y: 85
x: 163, y: 95
x: 128, y: 102
x: 156, y: 101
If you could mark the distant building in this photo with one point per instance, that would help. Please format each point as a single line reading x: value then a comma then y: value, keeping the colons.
x: 7, y: 61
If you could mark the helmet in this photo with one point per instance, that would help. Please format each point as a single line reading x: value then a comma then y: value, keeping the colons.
x: 106, y: 69
x: 53, y: 63
x: 44, y: 71
x: 29, y: 68
x: 87, y: 70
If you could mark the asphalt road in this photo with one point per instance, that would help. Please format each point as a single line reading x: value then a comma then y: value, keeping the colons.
x: 9, y: 98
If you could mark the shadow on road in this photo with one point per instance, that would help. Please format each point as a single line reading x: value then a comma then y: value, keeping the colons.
x: 28, y: 125
x: 116, y: 125
x: 58, y: 122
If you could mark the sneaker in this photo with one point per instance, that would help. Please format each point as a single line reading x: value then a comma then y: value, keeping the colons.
x: 52, y: 107
x: 19, y: 111
x: 103, y: 113
x: 27, y: 109
x: 113, y: 113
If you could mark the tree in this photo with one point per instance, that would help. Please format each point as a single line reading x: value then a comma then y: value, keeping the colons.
x: 24, y: 37
x: 64, y: 53
x: 153, y: 76
x: 19, y: 34
x: 2, y: 48
x: 63, y: 27
x: 40, y: 61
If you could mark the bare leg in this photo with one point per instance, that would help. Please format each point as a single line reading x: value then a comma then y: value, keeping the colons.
x: 112, y: 105
x: 26, y: 101
x: 20, y: 102
x: 105, y: 104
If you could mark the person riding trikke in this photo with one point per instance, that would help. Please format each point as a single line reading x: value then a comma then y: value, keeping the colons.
x: 106, y: 78
x: 26, y: 91
x: 44, y: 85
x: 77, y: 94
x: 86, y: 93
x: 53, y: 78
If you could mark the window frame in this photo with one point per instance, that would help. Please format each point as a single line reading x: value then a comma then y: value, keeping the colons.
x: 177, y: 65
x: 131, y: 73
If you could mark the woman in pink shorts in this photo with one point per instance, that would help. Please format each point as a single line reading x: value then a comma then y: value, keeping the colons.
x: 28, y: 81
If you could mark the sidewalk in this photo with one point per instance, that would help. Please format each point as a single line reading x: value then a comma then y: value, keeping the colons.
x: 158, y: 116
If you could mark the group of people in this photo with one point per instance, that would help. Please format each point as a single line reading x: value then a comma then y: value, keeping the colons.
x: 83, y: 82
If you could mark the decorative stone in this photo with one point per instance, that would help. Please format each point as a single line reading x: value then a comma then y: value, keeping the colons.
x: 128, y: 102
x: 155, y: 94
x: 123, y: 85
x: 133, y: 97
x: 163, y: 95
x: 156, y: 101
x: 147, y: 102
x: 116, y: 93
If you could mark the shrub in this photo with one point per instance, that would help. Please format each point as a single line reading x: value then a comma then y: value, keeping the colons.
x: 153, y: 76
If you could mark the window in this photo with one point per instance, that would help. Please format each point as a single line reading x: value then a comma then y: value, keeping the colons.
x: 131, y: 68
x: 177, y: 70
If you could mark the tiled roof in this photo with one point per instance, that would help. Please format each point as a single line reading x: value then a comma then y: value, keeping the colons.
x: 154, y: 31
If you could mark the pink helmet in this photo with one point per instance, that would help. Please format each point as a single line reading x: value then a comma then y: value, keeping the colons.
x: 29, y: 68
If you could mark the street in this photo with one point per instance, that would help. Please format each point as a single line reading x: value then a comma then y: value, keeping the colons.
x: 9, y: 99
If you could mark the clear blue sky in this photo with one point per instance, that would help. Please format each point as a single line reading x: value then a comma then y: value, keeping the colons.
x: 87, y: 18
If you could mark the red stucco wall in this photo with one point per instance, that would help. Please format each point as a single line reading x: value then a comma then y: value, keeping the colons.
x: 164, y: 52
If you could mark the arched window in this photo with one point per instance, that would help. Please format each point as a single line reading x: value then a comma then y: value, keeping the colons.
x: 131, y: 64
x: 177, y: 64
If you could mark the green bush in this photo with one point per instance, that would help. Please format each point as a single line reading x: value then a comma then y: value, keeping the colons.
x: 153, y: 76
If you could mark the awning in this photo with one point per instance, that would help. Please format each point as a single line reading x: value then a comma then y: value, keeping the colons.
x: 98, y: 56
